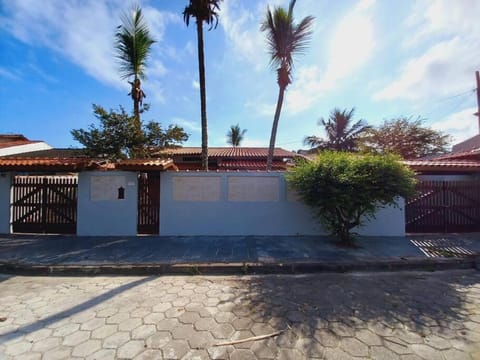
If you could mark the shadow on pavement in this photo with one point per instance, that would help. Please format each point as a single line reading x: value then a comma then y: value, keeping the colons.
x: 72, y: 311
x: 321, y: 309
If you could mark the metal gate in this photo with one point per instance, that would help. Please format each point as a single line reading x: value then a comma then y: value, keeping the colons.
x: 44, y: 204
x: 148, y: 203
x: 444, y: 207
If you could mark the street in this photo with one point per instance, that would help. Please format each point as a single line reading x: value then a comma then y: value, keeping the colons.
x: 401, y: 315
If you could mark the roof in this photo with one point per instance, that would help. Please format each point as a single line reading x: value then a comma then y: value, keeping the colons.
x: 443, y: 165
x: 51, y: 153
x: 230, y: 152
x: 12, y: 137
x: 83, y: 163
x: 42, y: 164
x: 467, y: 145
x: 464, y: 155
x: 250, y: 165
x: 145, y: 164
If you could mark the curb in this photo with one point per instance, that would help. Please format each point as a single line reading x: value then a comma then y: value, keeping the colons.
x: 402, y: 264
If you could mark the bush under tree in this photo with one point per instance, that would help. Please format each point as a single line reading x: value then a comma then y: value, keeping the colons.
x: 346, y: 190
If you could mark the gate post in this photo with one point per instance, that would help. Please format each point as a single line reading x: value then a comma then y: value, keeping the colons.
x: 5, y: 202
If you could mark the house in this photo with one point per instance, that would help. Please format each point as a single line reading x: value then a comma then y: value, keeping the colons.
x: 229, y: 158
x: 64, y: 191
x: 472, y: 143
x: 18, y: 144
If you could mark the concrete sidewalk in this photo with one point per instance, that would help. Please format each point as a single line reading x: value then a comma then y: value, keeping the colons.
x: 42, y: 254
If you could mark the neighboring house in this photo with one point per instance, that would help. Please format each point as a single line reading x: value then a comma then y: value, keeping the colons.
x: 468, y: 145
x: 18, y: 144
x: 229, y: 158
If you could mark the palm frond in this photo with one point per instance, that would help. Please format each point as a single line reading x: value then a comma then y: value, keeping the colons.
x: 203, y: 11
x: 133, y: 44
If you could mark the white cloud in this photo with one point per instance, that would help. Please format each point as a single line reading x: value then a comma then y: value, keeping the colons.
x: 351, y: 47
x: 242, y: 29
x: 8, y: 74
x: 444, y: 69
x: 446, y: 33
x: 81, y: 31
x: 189, y: 125
x: 195, y: 84
x: 260, y: 109
x: 460, y: 125
x: 253, y: 142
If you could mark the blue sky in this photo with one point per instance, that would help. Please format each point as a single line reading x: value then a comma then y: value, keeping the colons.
x: 385, y: 58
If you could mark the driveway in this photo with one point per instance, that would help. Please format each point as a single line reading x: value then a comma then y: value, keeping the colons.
x: 403, y: 315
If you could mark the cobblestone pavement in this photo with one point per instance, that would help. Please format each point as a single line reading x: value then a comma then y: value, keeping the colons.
x: 409, y: 315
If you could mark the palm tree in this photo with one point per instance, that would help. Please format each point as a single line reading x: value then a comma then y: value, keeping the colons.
x: 235, y: 135
x: 285, y: 39
x: 202, y: 11
x: 342, y: 134
x: 133, y: 44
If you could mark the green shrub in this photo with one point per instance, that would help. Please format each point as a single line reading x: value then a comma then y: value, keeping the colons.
x: 346, y: 189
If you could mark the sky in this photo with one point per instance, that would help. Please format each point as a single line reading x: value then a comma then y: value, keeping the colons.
x: 413, y: 58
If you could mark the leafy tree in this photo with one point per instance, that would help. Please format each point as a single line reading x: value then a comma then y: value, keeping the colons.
x: 235, y: 135
x: 203, y: 11
x: 346, y: 189
x: 342, y: 133
x: 116, y: 136
x: 285, y: 39
x: 407, y: 138
x: 133, y: 44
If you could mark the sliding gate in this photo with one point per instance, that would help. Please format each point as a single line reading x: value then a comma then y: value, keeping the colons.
x: 444, y: 207
x: 44, y: 204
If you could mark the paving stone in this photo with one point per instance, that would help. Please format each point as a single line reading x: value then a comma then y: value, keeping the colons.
x: 130, y: 349
x: 29, y: 356
x: 224, y: 317
x: 162, y: 307
x: 153, y: 318
x: 104, y: 354
x: 93, y: 324
x: 87, y: 348
x: 18, y: 348
x: 196, y: 355
x: 426, y: 352
x: 158, y: 340
x: 222, y: 331
x: 117, y: 318
x: 326, y: 338
x: 149, y: 355
x: 129, y: 324
x: 175, y: 349
x: 58, y: 353
x: 104, y: 331
x: 242, y: 354
x: 116, y: 340
x: 38, y: 335
x: 76, y: 338
x: 201, y: 340
x: 455, y: 354
x: 189, y: 317
x: 368, y: 337
x: 205, y: 324
x: 47, y: 344
x: 354, y: 347
x: 220, y: 352
x: 167, y: 324
x: 382, y: 353
x: 143, y: 331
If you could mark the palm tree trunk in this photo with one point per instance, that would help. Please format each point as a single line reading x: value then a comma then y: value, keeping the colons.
x: 273, y: 136
x: 137, y: 122
x: 203, y: 95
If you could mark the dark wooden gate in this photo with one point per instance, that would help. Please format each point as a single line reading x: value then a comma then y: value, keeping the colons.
x: 44, y: 204
x: 444, y: 207
x: 148, y: 203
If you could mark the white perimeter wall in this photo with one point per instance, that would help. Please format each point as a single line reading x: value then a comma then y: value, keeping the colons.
x: 100, y: 212
x: 247, y: 203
